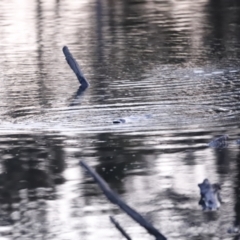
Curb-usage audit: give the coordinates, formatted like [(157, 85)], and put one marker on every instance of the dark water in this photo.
[(176, 62)]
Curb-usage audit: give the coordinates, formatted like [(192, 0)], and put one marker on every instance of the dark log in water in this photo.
[(75, 67), (115, 199), (121, 230)]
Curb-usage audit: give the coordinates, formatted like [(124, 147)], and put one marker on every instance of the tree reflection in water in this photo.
[(31, 168)]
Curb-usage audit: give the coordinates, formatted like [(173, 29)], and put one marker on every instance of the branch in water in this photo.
[(117, 225), (78, 96), (115, 199), (75, 67)]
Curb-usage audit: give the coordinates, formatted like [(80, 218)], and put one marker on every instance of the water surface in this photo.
[(170, 68)]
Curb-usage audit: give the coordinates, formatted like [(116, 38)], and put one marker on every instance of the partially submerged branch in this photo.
[(117, 225), (75, 67), (78, 96), (115, 199)]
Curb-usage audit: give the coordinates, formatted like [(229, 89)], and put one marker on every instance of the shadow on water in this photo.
[(222, 36), (236, 222), (117, 160), (40, 58), (31, 167)]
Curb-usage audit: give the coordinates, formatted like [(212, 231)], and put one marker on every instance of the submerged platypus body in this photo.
[(210, 195), (223, 142), (132, 119), (219, 142)]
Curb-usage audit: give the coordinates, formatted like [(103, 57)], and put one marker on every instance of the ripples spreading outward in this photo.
[(170, 99), (168, 69)]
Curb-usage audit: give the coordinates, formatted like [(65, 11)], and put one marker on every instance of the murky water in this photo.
[(170, 68)]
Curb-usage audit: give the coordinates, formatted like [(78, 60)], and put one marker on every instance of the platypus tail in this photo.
[(75, 67)]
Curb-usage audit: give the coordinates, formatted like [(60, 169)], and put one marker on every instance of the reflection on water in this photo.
[(176, 61)]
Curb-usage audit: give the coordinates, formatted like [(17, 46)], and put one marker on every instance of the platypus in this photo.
[(219, 142), (210, 195)]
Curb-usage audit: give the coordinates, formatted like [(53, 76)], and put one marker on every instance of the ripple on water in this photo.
[(176, 61)]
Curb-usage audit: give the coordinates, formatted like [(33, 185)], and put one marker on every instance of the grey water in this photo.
[(176, 62)]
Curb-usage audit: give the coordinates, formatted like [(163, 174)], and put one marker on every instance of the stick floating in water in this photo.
[(115, 199), (121, 230), (75, 67)]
